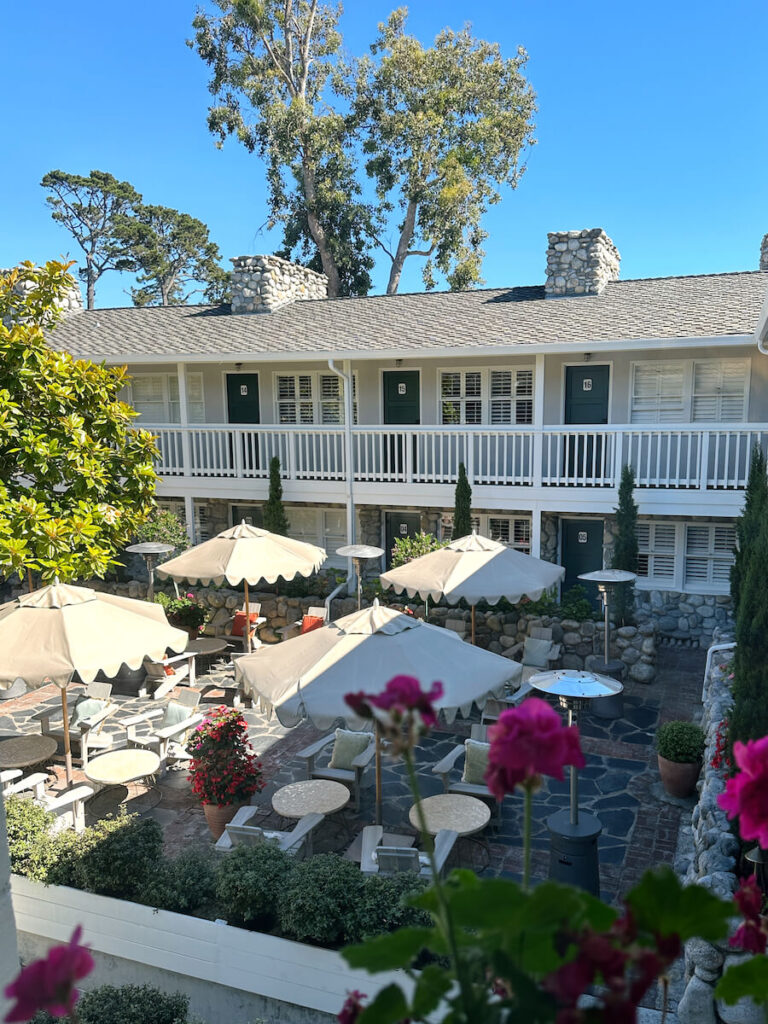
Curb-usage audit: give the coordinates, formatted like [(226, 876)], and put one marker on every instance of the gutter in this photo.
[(346, 376)]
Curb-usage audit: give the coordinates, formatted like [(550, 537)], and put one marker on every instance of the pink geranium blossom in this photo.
[(352, 1008), (751, 935), (401, 697), (529, 741), (746, 794), (49, 984)]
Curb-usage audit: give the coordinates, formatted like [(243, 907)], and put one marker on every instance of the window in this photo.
[(155, 396), (486, 396), (326, 527), (695, 391), (312, 398), (656, 551), (708, 555), (514, 532)]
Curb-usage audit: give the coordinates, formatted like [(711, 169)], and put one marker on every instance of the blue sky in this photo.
[(652, 123)]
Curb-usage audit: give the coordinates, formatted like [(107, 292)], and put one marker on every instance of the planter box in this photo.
[(251, 962)]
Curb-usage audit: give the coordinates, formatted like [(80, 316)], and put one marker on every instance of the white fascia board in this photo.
[(761, 332), (452, 352)]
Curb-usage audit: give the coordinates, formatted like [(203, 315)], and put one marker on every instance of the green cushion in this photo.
[(85, 708), (347, 746), (535, 652), (175, 714), (475, 762)]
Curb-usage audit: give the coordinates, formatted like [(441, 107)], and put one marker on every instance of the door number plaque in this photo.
[(401, 389), (586, 384), (244, 390), (582, 536)]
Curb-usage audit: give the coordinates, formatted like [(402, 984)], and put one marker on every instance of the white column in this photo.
[(538, 422), (189, 516), (186, 447), (9, 953), (536, 531)]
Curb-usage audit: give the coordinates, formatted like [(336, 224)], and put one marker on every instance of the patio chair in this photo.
[(538, 652), (297, 842), (162, 676), (494, 708), (305, 624), (351, 755), (68, 807), (86, 721), (234, 629), (168, 737), (391, 860), (471, 783)]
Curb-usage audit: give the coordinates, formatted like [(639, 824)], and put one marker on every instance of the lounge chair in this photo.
[(351, 755), (234, 630), (538, 652), (471, 783), (162, 676), (85, 722), (297, 842), (305, 624), (390, 860), (68, 807), (176, 721)]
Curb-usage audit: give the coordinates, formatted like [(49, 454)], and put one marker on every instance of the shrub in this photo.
[(682, 742), (182, 884), (113, 857), (249, 881), (462, 513), (407, 548), (320, 901), (132, 1004), (182, 611), (30, 846), (164, 527), (384, 906), (273, 511)]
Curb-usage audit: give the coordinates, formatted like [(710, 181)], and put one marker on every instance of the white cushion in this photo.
[(536, 652), (347, 747), (475, 762)]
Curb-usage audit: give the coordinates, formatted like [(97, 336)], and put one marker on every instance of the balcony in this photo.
[(700, 457)]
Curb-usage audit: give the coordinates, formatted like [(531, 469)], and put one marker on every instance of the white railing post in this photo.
[(292, 468), (703, 459), (238, 441), (470, 453), (186, 448), (618, 455), (537, 460), (538, 421)]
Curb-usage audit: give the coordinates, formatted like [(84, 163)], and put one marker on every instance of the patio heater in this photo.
[(359, 553), (151, 551), (607, 580), (573, 854)]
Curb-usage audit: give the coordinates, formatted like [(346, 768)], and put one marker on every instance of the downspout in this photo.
[(346, 376)]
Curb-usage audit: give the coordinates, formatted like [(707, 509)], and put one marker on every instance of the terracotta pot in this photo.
[(679, 779), (218, 815)]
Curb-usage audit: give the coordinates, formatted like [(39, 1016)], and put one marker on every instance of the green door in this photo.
[(582, 551), (243, 407), (399, 524), (401, 398), (586, 402)]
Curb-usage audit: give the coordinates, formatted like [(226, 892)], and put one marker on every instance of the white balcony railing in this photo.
[(704, 457)]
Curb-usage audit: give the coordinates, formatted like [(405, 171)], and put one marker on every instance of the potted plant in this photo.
[(183, 612), (224, 770), (680, 748)]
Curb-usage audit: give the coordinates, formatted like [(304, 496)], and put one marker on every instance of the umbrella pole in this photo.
[(247, 626), (378, 773), (67, 746), (473, 625)]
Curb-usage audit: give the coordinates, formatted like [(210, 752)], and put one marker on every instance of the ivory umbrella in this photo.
[(60, 631), (307, 677), (474, 568), (244, 554)]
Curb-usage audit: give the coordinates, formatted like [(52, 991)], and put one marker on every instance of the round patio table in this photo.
[(204, 646), (300, 798), (462, 814), (25, 751), (116, 771)]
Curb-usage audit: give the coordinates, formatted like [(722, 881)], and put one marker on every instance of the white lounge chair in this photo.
[(162, 676), (347, 770), (390, 860), (85, 722), (471, 782), (68, 806), (174, 722), (538, 652), (294, 628), (297, 842)]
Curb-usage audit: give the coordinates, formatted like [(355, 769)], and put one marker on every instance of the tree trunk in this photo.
[(319, 236), (402, 248), (90, 297)]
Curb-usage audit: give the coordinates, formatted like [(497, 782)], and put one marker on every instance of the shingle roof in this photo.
[(655, 308)]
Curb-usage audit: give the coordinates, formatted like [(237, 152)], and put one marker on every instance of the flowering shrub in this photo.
[(505, 952), (746, 793), (49, 983), (182, 611), (224, 769), (721, 758)]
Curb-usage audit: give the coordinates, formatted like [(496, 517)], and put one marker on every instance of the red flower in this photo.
[(402, 697), (352, 1008), (746, 794), (529, 741), (49, 984), (751, 935)]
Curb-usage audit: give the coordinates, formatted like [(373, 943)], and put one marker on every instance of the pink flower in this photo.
[(352, 1008), (402, 696), (746, 794), (529, 741), (750, 936), (48, 984)]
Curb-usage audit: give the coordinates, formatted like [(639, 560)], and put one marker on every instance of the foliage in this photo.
[(439, 131), (76, 480), (29, 844), (113, 857), (407, 548), (88, 207), (182, 884), (682, 742), (169, 250), (318, 585), (132, 1004), (574, 605), (749, 523), (182, 611), (224, 769), (625, 549), (163, 527), (319, 901), (462, 513), (249, 880), (273, 512), (385, 905)]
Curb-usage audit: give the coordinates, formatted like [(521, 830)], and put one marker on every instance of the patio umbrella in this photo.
[(244, 554), (474, 568), (308, 676), (53, 633)]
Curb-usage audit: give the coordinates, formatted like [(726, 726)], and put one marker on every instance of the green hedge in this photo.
[(128, 1004)]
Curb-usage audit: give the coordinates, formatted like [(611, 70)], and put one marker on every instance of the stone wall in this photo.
[(261, 284), (684, 619), (580, 262), (764, 253), (70, 302)]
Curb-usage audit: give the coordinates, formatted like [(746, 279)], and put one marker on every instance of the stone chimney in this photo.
[(70, 302), (764, 253), (262, 284), (580, 263)]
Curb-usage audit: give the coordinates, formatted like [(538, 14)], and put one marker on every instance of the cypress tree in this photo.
[(274, 514), (749, 523), (462, 518), (749, 715), (625, 549)]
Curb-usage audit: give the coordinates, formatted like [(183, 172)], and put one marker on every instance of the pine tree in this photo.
[(625, 549), (749, 523), (749, 715), (274, 514), (462, 518)]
